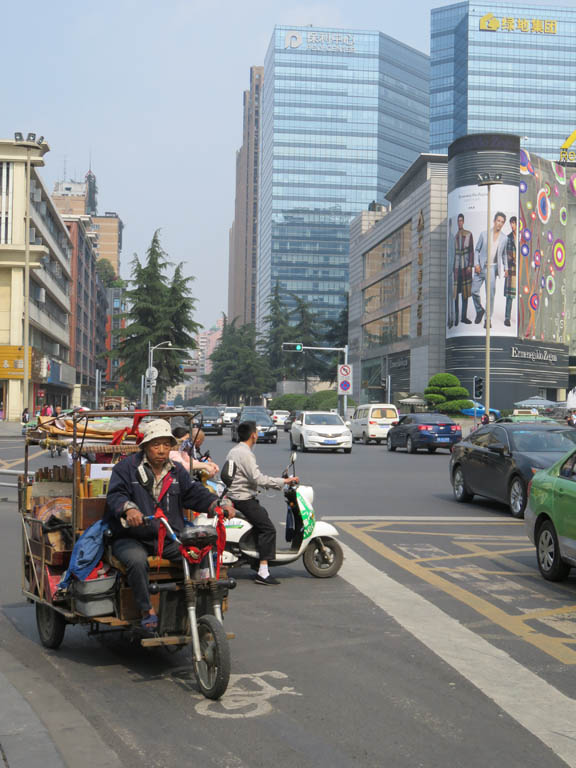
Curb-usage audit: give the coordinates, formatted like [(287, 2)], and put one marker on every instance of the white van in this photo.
[(372, 422)]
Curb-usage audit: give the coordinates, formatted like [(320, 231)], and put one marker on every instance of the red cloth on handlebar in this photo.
[(119, 436), (166, 483)]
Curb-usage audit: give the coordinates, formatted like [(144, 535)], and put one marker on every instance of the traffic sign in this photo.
[(344, 379), (152, 373)]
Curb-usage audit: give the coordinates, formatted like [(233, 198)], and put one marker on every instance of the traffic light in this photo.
[(293, 347), (478, 387)]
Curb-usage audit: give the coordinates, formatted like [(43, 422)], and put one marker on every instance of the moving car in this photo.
[(498, 461), (291, 419), (480, 411), (550, 518), (320, 430), (210, 419), (424, 430), (267, 430), (372, 422), (279, 417), (230, 413)]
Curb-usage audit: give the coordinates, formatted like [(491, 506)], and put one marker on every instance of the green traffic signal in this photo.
[(298, 347), (293, 346)]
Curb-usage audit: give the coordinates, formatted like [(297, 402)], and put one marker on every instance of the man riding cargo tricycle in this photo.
[(111, 543)]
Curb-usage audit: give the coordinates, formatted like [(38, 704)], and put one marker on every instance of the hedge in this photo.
[(455, 393), (444, 380)]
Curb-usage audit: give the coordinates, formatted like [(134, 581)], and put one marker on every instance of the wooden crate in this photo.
[(89, 511), (44, 551)]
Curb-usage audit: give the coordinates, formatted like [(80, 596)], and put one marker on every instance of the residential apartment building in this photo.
[(344, 114), (243, 250), (114, 321), (503, 68), (51, 377)]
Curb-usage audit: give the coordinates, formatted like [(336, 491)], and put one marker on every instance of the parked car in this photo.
[(372, 422), (424, 430), (550, 518), (210, 419), (480, 409), (320, 430), (279, 417), (230, 413), (515, 418), (267, 430), (290, 420), (498, 461)]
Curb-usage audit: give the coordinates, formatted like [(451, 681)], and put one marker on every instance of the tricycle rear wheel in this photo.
[(51, 626), (213, 671)]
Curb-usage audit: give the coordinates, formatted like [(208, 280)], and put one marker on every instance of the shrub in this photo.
[(288, 403), (453, 393), (434, 399), (443, 380), (433, 391), (455, 406)]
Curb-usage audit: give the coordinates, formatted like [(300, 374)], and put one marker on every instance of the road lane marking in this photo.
[(15, 462), (495, 673), (557, 647), (468, 555), (248, 695)]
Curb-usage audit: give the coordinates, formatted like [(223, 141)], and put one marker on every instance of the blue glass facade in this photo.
[(344, 114), (503, 68)]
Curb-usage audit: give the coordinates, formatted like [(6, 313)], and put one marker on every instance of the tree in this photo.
[(279, 331), (239, 371), (307, 330), (105, 272), (445, 393), (159, 310)]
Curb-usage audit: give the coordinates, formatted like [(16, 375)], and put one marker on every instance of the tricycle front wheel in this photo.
[(51, 626), (213, 671)]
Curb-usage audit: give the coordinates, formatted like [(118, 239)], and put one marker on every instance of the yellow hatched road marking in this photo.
[(485, 553), (557, 647), (15, 462)]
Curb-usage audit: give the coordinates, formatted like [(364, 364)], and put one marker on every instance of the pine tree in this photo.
[(307, 331), (158, 310), (279, 332)]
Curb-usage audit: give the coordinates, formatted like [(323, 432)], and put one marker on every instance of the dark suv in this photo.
[(210, 419)]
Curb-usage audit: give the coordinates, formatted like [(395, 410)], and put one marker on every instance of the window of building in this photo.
[(391, 288), (391, 250), (387, 330)]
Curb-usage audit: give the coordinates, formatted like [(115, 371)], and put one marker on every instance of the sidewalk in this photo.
[(24, 740), (10, 429)]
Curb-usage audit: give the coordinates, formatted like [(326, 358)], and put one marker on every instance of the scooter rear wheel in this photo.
[(320, 563), (213, 671)]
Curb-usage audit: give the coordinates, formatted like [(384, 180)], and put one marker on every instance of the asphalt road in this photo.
[(438, 645)]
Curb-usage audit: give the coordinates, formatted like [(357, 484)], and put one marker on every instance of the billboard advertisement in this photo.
[(468, 240), (545, 197)]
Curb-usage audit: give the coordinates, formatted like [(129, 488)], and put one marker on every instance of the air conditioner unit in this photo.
[(42, 295)]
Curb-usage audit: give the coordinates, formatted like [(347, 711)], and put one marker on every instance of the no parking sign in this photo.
[(345, 379)]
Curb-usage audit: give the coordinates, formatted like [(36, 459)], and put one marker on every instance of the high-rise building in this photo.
[(51, 377), (109, 228), (503, 68), (243, 252), (344, 113)]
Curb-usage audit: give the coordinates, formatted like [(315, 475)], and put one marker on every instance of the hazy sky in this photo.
[(153, 90)]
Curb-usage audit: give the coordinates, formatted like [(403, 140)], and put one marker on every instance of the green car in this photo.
[(550, 518)]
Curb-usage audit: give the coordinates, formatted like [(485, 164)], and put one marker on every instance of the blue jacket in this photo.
[(184, 493), (86, 554)]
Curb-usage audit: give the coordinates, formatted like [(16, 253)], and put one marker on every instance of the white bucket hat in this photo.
[(157, 428)]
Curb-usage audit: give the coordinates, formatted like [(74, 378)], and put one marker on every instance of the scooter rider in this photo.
[(138, 486), (243, 490)]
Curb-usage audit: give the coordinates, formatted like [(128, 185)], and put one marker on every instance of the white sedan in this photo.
[(320, 430)]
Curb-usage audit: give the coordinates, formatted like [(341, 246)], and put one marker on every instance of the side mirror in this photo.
[(298, 423), (293, 457), (228, 472), (501, 450), (348, 423)]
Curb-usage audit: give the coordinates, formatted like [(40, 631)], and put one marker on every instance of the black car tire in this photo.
[(274, 440), (431, 449), (220, 431), (517, 497), (347, 450), (389, 445), (365, 440), (550, 564), (410, 447), (461, 492), (302, 446)]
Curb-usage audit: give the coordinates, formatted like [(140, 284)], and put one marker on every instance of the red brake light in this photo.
[(456, 428), (424, 427), (394, 423), (372, 422)]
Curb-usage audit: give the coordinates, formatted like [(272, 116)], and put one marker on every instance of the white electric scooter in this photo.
[(307, 537)]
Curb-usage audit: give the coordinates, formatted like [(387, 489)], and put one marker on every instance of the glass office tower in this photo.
[(344, 114), (503, 68)]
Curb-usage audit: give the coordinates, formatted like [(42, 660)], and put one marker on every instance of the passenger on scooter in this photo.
[(187, 453), (139, 485), (243, 492)]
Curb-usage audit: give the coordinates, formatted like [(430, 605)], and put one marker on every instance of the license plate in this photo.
[(330, 442), (260, 434), (443, 439), (207, 423)]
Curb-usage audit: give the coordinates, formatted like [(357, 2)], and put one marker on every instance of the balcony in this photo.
[(48, 323)]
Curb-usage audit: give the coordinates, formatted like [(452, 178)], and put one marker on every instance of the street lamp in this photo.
[(30, 143), (488, 180), (167, 344)]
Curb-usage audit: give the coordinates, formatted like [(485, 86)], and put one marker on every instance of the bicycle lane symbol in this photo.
[(247, 696)]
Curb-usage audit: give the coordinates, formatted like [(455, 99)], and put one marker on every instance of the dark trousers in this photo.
[(256, 514), (134, 554)]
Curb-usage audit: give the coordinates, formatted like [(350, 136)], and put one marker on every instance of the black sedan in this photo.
[(267, 430), (498, 461), (290, 420), (423, 430)]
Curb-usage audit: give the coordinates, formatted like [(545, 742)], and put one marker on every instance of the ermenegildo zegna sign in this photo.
[(534, 355)]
